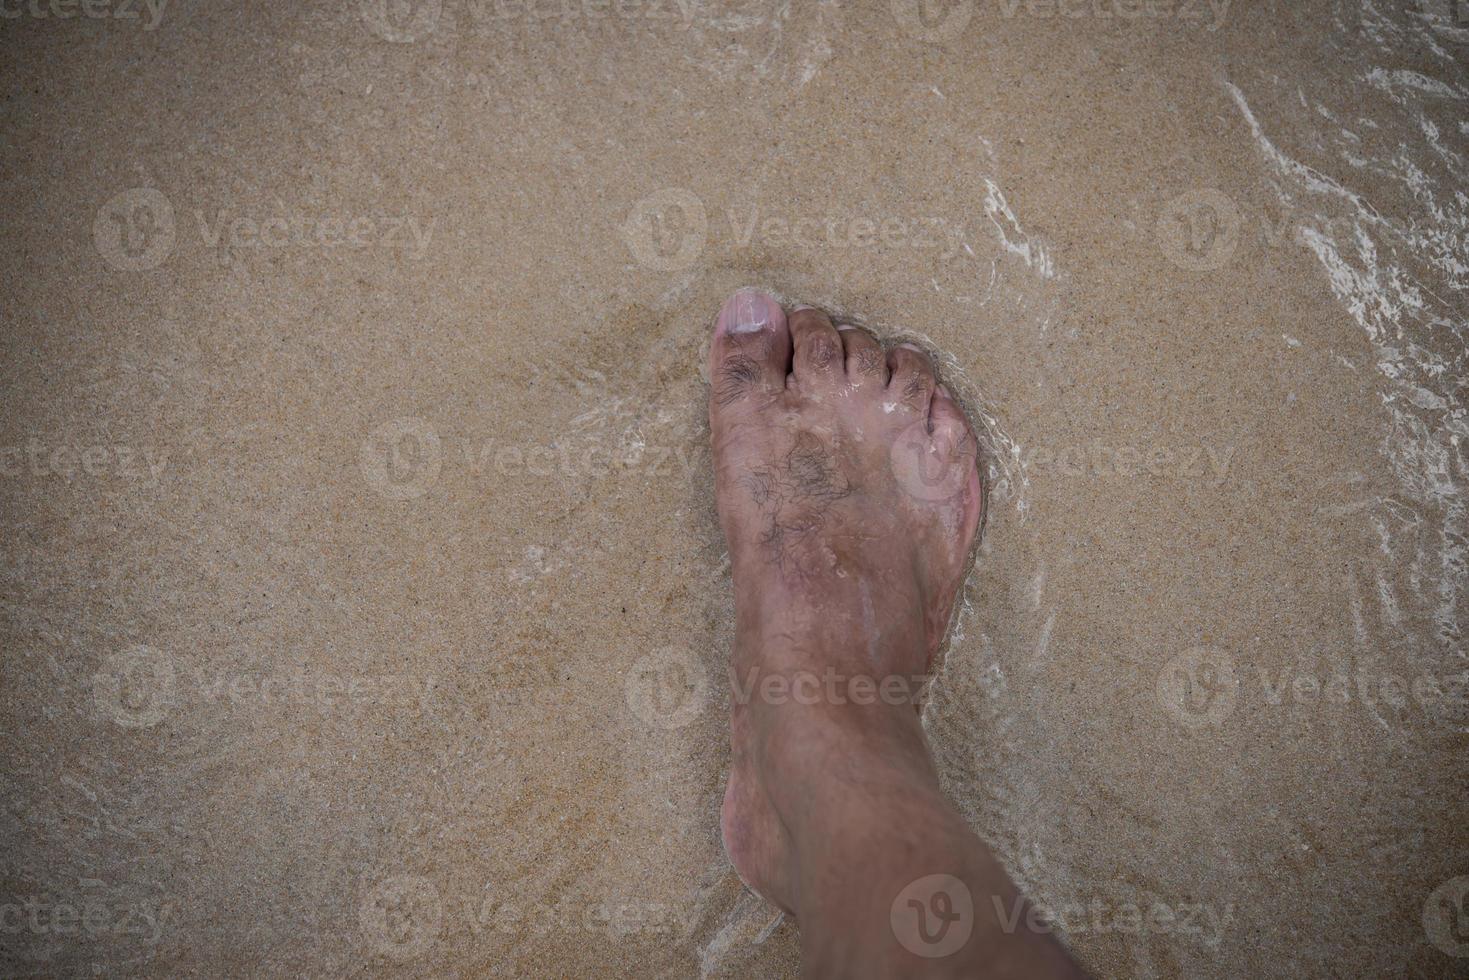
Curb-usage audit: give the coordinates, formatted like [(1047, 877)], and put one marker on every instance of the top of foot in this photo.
[(848, 487), (847, 478)]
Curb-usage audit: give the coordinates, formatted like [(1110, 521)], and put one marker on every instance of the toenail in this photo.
[(801, 306), (751, 312)]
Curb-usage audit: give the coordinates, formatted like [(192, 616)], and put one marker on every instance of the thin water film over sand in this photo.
[(365, 610)]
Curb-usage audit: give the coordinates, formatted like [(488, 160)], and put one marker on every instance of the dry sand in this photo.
[(357, 498)]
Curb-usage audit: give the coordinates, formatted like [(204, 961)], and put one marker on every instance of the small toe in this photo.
[(818, 348), (865, 363), (944, 411), (751, 350), (912, 378), (954, 437)]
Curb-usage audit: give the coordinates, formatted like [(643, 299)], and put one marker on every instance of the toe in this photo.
[(954, 437), (936, 461), (865, 363), (751, 350), (912, 377), (818, 347), (945, 414)]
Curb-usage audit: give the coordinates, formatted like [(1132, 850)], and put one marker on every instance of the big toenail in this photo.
[(752, 313)]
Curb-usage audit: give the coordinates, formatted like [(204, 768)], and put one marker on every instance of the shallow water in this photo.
[(364, 607)]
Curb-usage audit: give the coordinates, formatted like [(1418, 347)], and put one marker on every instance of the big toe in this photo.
[(751, 350)]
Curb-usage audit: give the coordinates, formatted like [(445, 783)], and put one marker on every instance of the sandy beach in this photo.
[(364, 608)]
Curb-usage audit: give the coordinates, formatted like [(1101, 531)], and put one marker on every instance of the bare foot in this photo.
[(848, 488)]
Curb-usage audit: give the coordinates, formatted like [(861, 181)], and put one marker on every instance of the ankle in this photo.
[(822, 762)]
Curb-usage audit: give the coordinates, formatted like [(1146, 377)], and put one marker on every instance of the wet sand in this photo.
[(364, 608)]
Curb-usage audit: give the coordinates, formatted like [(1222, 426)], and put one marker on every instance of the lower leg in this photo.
[(887, 879)]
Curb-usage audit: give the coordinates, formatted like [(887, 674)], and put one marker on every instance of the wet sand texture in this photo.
[(364, 611)]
